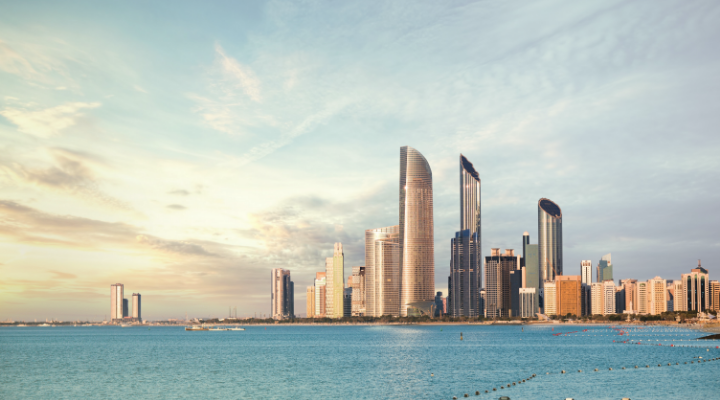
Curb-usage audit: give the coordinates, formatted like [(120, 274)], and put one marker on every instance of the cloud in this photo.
[(179, 192), (74, 172), (13, 63), (62, 275), (47, 122), (139, 89), (176, 207), (173, 246), (241, 76)]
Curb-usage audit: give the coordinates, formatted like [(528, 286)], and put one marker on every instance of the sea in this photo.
[(359, 362)]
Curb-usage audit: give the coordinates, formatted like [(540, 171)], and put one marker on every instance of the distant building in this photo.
[(657, 296), (550, 299), (550, 239), (605, 269), (281, 295), (696, 289), (382, 271), (416, 239), (531, 263), (586, 299), (630, 287), (497, 282), (643, 295), (483, 296), (678, 295), (444, 305), (320, 294), (619, 299), (670, 289), (528, 308), (136, 309), (335, 274), (463, 279), (117, 294), (714, 295), (569, 295), (586, 272), (347, 302), (609, 295), (310, 301), (126, 309), (597, 301), (359, 284), (516, 283), (439, 304)]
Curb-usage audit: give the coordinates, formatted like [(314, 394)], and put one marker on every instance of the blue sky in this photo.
[(185, 149)]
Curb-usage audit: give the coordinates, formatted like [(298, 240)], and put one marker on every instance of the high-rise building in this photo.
[(605, 269), (586, 299), (281, 295), (483, 296), (550, 240), (531, 262), (619, 299), (311, 301), (347, 302), (569, 295), (516, 283), (586, 272), (657, 296), (609, 295), (678, 295), (320, 294), (528, 308), (136, 308), (382, 271), (335, 273), (696, 289), (117, 294), (470, 215), (463, 289), (497, 282), (643, 294), (359, 285), (550, 300), (126, 309), (597, 302), (630, 286), (439, 304), (714, 295), (417, 254)]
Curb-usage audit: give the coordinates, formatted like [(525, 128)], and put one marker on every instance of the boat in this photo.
[(218, 329), (236, 329), (196, 328), (125, 325)]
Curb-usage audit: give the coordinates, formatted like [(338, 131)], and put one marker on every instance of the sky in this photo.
[(186, 149)]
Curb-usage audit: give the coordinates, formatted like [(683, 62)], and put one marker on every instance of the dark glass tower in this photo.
[(549, 240)]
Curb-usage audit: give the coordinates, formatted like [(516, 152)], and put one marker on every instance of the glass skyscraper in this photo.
[(605, 269), (417, 248), (382, 271), (550, 240)]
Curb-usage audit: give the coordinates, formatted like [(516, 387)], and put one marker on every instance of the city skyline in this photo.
[(192, 168)]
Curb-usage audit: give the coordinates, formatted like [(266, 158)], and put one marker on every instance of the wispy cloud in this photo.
[(178, 207), (49, 121), (238, 75), (13, 63)]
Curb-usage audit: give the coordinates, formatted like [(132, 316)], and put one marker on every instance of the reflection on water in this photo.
[(400, 362)]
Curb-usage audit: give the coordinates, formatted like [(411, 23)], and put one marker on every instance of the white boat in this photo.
[(216, 329), (236, 329), (125, 325)]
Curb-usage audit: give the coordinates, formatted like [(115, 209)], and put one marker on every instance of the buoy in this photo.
[(494, 389), (477, 392), (636, 367), (466, 395), (432, 374), (562, 372), (454, 397), (596, 369), (610, 369), (623, 368), (579, 370)]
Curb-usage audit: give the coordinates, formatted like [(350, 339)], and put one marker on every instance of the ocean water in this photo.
[(355, 362)]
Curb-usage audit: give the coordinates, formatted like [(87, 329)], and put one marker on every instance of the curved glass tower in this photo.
[(470, 210), (549, 240), (417, 251)]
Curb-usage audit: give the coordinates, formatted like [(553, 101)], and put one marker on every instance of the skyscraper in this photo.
[(117, 294), (630, 286), (586, 272), (497, 282), (696, 289), (320, 294), (550, 239), (382, 271), (282, 302), (550, 300), (347, 302), (335, 271), (359, 293), (715, 295), (528, 308), (417, 254), (465, 263), (605, 269), (597, 301), (657, 296), (310, 301), (609, 297), (516, 283), (531, 261), (136, 308), (126, 309), (569, 294)]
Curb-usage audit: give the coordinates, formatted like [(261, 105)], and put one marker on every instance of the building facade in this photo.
[(715, 296), (550, 240), (497, 282), (531, 263), (335, 272), (347, 302), (417, 247), (609, 297), (382, 271), (117, 295), (696, 289), (359, 284), (516, 283), (320, 294), (630, 286), (550, 298), (126, 308), (528, 307), (462, 286), (310, 301), (586, 272), (137, 307), (569, 295), (281, 295), (585, 299), (605, 268), (470, 215), (657, 296), (597, 302)]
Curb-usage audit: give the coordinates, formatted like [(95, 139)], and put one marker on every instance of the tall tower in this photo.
[(605, 268), (382, 271), (137, 306), (282, 296), (550, 240), (417, 254), (586, 272), (470, 218), (338, 278), (117, 294)]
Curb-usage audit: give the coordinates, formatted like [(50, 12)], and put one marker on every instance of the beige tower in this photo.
[(417, 247), (117, 295), (335, 284)]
